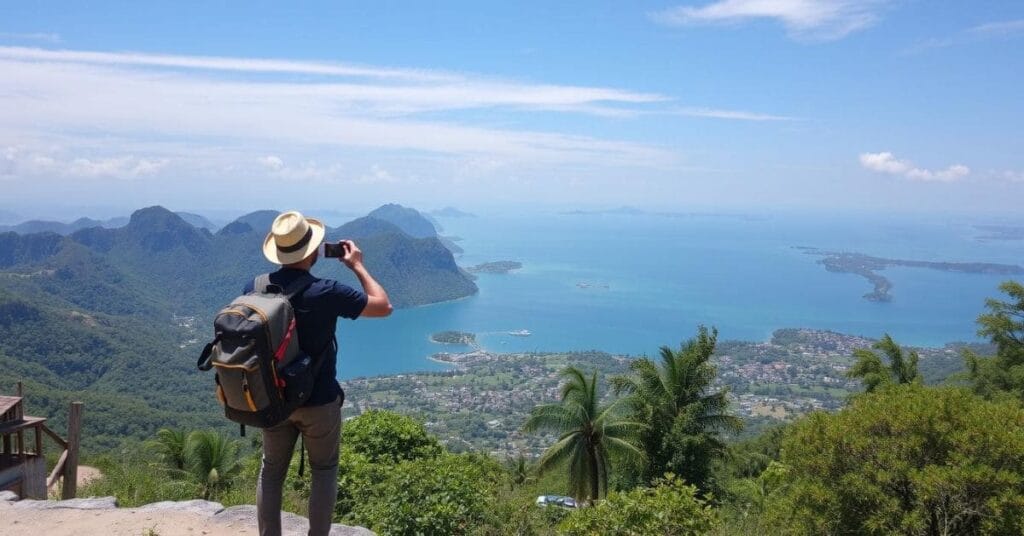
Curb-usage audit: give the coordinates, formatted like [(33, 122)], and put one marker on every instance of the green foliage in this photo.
[(446, 494), (589, 435), (212, 460), (869, 367), (1002, 374), (907, 460), (669, 508), (683, 415), (387, 437)]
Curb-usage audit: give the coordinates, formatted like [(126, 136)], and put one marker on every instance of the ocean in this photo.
[(628, 284)]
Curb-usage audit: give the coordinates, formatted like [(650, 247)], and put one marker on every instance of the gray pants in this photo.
[(320, 427)]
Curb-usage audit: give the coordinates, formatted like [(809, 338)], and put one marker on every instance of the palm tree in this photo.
[(683, 415), (170, 447), (590, 435), (211, 459), (870, 369)]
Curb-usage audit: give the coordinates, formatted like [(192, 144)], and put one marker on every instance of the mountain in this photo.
[(392, 255), (115, 317), (407, 219), (195, 220)]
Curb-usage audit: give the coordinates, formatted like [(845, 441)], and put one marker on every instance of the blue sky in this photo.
[(730, 104)]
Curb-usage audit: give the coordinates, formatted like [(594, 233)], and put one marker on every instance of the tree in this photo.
[(1004, 326), (211, 459), (670, 507), (386, 436), (170, 445), (870, 369), (683, 415), (913, 460), (589, 435)]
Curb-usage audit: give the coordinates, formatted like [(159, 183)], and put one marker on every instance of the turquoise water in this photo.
[(653, 279)]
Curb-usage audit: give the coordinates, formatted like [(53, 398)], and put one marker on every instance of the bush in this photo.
[(387, 437), (669, 508), (446, 494), (907, 460)]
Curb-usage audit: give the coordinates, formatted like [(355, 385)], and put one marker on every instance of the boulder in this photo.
[(197, 506), (92, 503)]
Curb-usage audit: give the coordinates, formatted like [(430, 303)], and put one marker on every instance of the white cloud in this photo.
[(886, 162), (272, 162), (983, 32), (730, 114), (998, 29), (377, 175), (822, 20), (20, 162)]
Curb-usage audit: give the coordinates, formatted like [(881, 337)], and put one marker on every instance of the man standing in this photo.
[(294, 242)]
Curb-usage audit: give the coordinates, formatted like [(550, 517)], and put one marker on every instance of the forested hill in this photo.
[(114, 316)]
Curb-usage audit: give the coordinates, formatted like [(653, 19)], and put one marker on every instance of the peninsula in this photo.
[(867, 267)]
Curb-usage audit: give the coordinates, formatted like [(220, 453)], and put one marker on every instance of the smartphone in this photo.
[(334, 250)]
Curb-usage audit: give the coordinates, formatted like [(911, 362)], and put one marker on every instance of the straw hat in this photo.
[(292, 237)]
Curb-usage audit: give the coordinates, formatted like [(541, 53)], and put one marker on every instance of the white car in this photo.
[(556, 500)]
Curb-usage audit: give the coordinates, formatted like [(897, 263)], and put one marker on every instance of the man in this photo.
[(294, 243)]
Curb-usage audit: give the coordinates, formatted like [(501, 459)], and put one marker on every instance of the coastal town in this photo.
[(482, 401)]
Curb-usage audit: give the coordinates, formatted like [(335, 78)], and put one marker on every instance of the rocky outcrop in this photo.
[(212, 518)]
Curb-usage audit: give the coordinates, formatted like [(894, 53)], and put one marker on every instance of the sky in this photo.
[(833, 105)]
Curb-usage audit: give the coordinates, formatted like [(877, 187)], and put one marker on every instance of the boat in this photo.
[(520, 333)]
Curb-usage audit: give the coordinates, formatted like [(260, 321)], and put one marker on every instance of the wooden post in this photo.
[(20, 392), (71, 464)]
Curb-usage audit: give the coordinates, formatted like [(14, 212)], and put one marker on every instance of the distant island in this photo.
[(453, 337), (497, 267), (1000, 232), (867, 267)]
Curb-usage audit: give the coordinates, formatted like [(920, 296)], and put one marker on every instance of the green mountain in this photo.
[(115, 317), (407, 219)]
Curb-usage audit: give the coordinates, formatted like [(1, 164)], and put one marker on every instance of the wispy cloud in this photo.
[(35, 36), (982, 32), (738, 115), (813, 20), (886, 162), (102, 102), (16, 161)]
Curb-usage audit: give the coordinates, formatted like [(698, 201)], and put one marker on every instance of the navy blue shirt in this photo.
[(316, 314)]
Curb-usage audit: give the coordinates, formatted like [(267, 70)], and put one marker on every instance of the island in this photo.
[(453, 337), (498, 267), (866, 266)]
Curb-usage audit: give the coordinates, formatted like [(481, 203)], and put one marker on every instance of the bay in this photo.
[(627, 284)]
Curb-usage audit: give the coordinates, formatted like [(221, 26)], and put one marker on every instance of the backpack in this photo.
[(262, 375)]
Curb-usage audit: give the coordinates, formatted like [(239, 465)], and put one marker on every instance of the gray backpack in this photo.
[(262, 375)]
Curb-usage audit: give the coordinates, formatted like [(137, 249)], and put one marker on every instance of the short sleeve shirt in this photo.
[(317, 310)]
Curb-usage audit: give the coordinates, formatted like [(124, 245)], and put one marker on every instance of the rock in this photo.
[(8, 496), (92, 503), (197, 506), (241, 517)]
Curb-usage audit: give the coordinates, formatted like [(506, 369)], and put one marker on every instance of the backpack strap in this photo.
[(263, 285)]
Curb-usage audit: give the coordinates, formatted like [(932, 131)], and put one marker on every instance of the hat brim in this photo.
[(275, 256)]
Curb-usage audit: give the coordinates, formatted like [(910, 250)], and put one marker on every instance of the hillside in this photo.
[(114, 317)]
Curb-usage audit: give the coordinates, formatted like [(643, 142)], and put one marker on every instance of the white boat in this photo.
[(520, 333)]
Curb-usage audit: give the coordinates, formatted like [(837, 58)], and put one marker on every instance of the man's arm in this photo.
[(377, 302)]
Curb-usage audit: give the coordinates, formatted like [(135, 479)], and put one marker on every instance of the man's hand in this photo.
[(353, 255), (377, 302)]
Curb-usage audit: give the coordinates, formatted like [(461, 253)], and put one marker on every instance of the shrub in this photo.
[(669, 508)]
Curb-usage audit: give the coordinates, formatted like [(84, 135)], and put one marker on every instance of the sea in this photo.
[(630, 283)]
